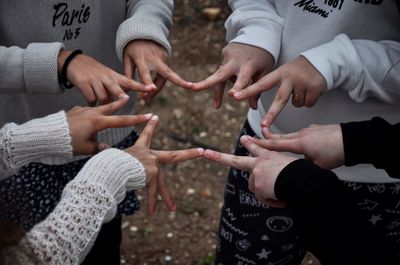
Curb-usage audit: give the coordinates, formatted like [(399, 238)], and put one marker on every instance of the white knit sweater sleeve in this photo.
[(148, 20), (90, 200), (364, 68), (28, 142), (31, 70), (255, 23)]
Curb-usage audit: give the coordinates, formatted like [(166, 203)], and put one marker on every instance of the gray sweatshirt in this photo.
[(355, 45), (32, 32)]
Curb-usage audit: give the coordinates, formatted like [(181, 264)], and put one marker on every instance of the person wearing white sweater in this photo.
[(88, 201), (352, 50), (36, 39)]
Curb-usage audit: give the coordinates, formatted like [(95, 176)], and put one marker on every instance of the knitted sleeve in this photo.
[(31, 70), (148, 20), (28, 142), (89, 201)]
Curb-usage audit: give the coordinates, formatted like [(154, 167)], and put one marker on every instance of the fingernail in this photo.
[(237, 94), (123, 96), (200, 151), (265, 123), (264, 130), (151, 87), (155, 118), (148, 115)]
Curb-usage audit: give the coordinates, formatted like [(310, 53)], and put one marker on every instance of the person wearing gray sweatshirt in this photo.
[(36, 38)]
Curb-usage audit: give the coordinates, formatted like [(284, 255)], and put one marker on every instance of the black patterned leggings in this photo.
[(251, 233)]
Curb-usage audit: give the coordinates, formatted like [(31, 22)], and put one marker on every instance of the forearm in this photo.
[(364, 68), (31, 70), (255, 23), (28, 142), (148, 20), (370, 142)]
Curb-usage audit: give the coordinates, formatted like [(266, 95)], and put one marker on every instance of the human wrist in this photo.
[(61, 59)]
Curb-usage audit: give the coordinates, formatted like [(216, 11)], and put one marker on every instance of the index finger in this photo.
[(147, 134), (264, 84), (281, 98), (169, 157), (220, 76), (240, 162), (165, 71), (114, 106)]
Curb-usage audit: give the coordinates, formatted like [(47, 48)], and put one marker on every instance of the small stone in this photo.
[(190, 191), (203, 135), (125, 225), (207, 193), (133, 229), (211, 13), (170, 235), (167, 258)]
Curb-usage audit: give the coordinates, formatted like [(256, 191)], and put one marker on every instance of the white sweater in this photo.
[(68, 233), (32, 32), (353, 44)]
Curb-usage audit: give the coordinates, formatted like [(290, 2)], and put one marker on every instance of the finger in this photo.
[(298, 99), (310, 99), (147, 134), (269, 135), (251, 183), (105, 122), (219, 94), (170, 75), (159, 82), (239, 162), (266, 83), (112, 107), (220, 76), (151, 196), (133, 85), (169, 157), (243, 80), (144, 73), (164, 192), (103, 146), (101, 93), (252, 147), (286, 145), (279, 102), (114, 88), (89, 95), (129, 67)]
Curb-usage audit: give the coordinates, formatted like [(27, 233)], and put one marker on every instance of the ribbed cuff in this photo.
[(335, 60), (38, 138), (141, 28), (40, 68), (116, 170)]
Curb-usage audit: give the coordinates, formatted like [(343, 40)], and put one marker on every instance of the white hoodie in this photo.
[(353, 44)]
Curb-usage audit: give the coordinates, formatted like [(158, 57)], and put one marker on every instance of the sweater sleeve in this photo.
[(363, 68), (148, 20), (370, 142), (28, 142), (255, 23), (31, 70), (68, 233)]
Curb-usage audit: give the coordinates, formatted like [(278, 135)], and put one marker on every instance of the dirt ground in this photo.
[(188, 237)]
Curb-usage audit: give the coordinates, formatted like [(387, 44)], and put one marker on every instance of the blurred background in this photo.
[(188, 119)]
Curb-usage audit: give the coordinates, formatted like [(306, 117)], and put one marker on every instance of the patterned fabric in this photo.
[(30, 195), (251, 233)]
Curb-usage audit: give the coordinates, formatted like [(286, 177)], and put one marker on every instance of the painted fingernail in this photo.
[(200, 150), (237, 94), (265, 123), (148, 115), (155, 118)]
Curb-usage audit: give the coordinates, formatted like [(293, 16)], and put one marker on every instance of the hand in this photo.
[(265, 167), (322, 144), (242, 64), (151, 160), (149, 56), (85, 122), (298, 77), (96, 81)]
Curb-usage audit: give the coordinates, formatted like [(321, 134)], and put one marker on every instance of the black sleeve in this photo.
[(326, 216), (372, 142)]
